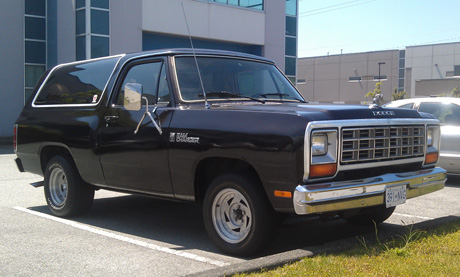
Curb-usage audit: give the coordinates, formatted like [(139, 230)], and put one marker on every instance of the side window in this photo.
[(152, 77), (440, 110), (76, 84), (163, 89), (407, 106)]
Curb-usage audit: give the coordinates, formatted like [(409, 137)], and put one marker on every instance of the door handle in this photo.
[(110, 118)]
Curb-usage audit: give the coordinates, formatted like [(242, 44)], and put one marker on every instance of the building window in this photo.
[(251, 4), (34, 43), (92, 29), (291, 40), (402, 65), (301, 81), (457, 71), (291, 7), (354, 79), (291, 46), (290, 66), (381, 78), (291, 26)]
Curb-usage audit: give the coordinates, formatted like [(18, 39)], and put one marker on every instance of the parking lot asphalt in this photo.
[(124, 234)]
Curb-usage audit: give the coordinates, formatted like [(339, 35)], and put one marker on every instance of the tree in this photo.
[(376, 91), (396, 95), (455, 92)]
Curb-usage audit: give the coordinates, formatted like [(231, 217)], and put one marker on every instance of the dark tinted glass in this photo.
[(81, 48), (291, 26), (402, 63), (35, 52), (457, 70), (80, 3), (35, 7), (32, 74), (77, 84), (99, 22), (146, 74), (290, 64), (99, 46), (104, 4), (402, 54), (445, 112), (239, 77), (80, 26), (407, 106), (291, 46), (35, 28)]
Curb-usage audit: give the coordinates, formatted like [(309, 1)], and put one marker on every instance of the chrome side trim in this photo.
[(338, 196), (74, 63)]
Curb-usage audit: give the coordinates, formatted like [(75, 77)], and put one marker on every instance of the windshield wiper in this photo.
[(281, 95), (230, 94)]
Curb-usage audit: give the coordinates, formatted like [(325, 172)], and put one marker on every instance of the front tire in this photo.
[(237, 215), (65, 192)]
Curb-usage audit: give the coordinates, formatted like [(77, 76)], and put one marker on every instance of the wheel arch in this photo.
[(49, 151), (210, 168)]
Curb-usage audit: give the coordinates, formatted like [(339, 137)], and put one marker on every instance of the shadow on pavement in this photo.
[(6, 149), (181, 224)]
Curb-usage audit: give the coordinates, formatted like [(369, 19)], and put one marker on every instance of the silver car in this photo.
[(447, 110)]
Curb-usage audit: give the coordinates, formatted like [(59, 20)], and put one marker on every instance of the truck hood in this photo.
[(314, 112)]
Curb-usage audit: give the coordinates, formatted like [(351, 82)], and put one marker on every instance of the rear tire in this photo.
[(65, 192), (369, 216), (238, 216)]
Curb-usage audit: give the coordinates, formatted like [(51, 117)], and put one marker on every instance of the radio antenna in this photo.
[(206, 104)]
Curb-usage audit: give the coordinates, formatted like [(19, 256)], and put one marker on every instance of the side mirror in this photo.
[(133, 97)]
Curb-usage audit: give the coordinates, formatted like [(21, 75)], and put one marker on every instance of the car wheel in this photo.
[(237, 215), (65, 192), (369, 216)]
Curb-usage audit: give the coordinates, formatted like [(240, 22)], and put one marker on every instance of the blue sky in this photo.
[(355, 26)]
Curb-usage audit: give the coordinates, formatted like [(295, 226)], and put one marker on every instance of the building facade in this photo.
[(347, 78), (419, 70), (432, 69), (39, 34)]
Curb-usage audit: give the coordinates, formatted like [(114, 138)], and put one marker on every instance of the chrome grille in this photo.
[(381, 143)]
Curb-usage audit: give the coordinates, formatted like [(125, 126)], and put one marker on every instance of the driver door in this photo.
[(138, 162)]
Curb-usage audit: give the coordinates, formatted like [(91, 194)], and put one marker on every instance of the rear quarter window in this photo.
[(74, 84)]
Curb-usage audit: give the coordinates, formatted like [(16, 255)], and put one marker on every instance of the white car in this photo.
[(447, 110)]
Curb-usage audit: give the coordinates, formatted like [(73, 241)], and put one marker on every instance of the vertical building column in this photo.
[(275, 26)]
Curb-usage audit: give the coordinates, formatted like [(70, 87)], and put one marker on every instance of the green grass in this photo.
[(414, 253)]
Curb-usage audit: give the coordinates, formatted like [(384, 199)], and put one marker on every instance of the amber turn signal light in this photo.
[(322, 170), (283, 194), (431, 158)]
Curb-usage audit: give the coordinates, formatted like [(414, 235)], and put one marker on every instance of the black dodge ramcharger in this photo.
[(226, 130)]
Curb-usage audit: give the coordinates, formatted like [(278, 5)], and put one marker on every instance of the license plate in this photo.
[(395, 195)]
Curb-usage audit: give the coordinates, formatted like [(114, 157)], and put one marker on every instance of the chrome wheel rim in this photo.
[(58, 187), (231, 216)]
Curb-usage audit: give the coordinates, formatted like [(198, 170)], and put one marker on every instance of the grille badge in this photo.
[(382, 113)]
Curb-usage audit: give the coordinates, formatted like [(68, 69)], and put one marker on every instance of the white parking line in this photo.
[(416, 216), (124, 239)]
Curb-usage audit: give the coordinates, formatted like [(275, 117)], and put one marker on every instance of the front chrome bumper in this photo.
[(339, 196)]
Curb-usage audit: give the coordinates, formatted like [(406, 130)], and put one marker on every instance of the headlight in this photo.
[(319, 144), (433, 139), (429, 136), (320, 153)]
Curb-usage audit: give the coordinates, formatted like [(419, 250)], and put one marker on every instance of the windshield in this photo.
[(226, 78)]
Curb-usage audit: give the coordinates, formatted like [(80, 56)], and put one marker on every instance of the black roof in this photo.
[(189, 51)]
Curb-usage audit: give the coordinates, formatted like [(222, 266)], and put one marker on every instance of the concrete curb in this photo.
[(258, 264), (277, 260)]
